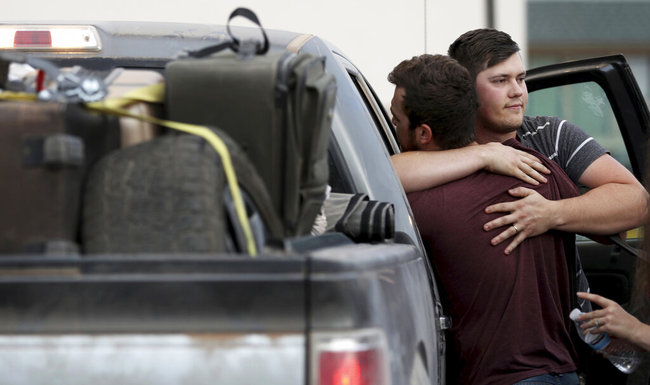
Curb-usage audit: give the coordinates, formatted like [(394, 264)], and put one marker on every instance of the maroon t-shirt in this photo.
[(510, 313)]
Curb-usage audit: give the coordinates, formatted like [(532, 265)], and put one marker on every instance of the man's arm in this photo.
[(616, 202), (420, 170)]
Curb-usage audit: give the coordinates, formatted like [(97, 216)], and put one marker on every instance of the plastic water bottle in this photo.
[(621, 354)]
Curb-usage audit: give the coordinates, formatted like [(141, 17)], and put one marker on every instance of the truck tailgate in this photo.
[(134, 359), (160, 319)]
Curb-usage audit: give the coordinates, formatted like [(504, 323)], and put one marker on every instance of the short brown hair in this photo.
[(439, 92), (482, 48)]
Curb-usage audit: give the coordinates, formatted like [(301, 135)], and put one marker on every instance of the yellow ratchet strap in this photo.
[(18, 96), (155, 94)]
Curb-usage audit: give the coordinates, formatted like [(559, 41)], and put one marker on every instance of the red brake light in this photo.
[(350, 368), (352, 357), (26, 39), (43, 37)]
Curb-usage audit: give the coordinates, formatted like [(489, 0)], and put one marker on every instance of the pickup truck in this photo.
[(330, 311), (318, 310)]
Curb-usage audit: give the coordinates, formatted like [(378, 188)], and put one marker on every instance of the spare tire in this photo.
[(167, 195)]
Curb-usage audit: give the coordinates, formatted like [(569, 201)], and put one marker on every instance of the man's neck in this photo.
[(486, 136)]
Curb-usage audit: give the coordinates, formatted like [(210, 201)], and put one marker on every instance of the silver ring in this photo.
[(516, 229), (597, 324)]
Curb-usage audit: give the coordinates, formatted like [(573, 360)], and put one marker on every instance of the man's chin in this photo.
[(508, 128), (504, 126), (513, 124)]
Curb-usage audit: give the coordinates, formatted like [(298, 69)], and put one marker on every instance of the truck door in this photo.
[(601, 96)]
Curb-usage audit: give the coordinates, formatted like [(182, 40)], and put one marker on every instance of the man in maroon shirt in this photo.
[(510, 312)]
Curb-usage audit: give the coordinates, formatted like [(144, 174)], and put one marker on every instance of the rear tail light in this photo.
[(25, 39), (357, 357), (49, 38)]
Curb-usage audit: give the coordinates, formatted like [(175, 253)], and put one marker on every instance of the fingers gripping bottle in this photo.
[(621, 354)]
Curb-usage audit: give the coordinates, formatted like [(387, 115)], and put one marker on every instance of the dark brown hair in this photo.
[(482, 48), (439, 92)]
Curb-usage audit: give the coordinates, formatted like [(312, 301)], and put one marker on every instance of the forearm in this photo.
[(608, 209), (420, 170), (641, 336)]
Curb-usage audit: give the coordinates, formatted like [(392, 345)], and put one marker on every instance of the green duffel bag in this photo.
[(277, 106)]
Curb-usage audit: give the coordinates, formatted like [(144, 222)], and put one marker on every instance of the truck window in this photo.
[(586, 105), (378, 113)]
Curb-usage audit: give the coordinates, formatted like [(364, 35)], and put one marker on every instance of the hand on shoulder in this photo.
[(506, 160)]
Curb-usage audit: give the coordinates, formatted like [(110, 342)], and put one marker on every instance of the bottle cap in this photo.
[(574, 314)]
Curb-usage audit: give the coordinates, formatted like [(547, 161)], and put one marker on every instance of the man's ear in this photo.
[(423, 135)]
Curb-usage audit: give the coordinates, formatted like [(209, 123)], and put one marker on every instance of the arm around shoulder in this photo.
[(420, 170)]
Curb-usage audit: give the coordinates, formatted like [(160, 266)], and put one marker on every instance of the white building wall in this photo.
[(374, 34)]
